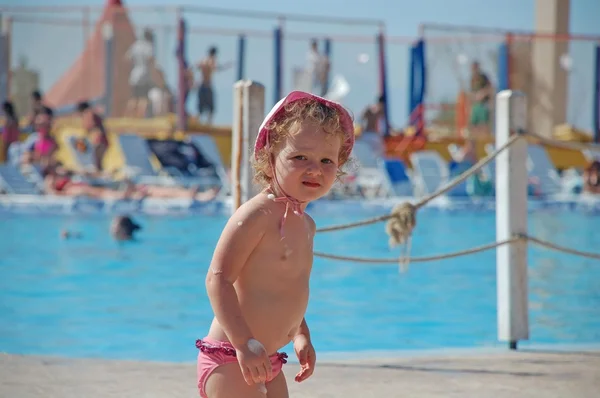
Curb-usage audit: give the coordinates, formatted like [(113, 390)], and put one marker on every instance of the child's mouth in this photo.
[(311, 184)]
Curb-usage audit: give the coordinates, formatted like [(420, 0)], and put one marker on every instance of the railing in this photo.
[(560, 71)]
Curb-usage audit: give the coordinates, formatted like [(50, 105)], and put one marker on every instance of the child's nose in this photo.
[(313, 168)]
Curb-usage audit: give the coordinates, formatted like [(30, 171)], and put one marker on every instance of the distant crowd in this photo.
[(37, 155)]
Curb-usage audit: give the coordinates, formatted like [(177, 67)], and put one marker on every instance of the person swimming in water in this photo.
[(123, 228), (67, 234)]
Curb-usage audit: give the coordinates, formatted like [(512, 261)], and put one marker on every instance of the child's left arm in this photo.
[(302, 343), (304, 351)]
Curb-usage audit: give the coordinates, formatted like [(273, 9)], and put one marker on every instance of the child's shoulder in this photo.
[(311, 223), (259, 210)]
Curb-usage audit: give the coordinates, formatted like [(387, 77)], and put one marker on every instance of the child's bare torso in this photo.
[(273, 287)]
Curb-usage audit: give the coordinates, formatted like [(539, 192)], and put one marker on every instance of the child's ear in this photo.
[(269, 168), (269, 172)]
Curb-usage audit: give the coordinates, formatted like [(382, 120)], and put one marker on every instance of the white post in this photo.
[(248, 114), (511, 218)]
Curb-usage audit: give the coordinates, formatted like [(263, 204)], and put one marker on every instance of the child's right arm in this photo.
[(241, 235)]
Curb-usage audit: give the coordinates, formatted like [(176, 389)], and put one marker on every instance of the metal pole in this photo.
[(241, 57), (108, 35)]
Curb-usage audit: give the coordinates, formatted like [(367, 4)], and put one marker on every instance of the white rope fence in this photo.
[(460, 253), (403, 260), (402, 220)]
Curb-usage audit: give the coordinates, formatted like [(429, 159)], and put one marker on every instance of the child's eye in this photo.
[(327, 161), (300, 157)]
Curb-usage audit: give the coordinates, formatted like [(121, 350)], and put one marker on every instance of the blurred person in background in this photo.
[(123, 228), (372, 116), (62, 182), (481, 96), (206, 96), (591, 178), (317, 67), (141, 54), (94, 127), (10, 130), (371, 120), (43, 148), (59, 181), (37, 106)]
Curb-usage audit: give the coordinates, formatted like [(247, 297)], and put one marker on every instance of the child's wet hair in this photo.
[(308, 110)]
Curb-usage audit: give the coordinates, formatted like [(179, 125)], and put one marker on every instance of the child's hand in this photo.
[(306, 355), (254, 363)]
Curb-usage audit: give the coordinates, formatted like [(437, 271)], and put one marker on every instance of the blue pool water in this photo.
[(145, 300)]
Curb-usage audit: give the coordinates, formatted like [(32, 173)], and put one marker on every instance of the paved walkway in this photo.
[(479, 375)]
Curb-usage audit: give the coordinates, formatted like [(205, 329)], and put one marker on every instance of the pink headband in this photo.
[(262, 139)]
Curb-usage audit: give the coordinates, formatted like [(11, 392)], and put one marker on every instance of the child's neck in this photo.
[(278, 195), (292, 204)]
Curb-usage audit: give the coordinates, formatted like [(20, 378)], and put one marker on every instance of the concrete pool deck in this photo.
[(496, 374)]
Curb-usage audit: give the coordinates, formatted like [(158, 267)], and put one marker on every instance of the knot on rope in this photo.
[(401, 223)]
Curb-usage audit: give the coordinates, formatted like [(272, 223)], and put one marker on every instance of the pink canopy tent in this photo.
[(86, 78)]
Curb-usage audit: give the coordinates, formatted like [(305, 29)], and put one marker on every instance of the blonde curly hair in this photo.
[(309, 110)]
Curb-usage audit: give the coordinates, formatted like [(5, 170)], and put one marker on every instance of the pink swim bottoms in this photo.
[(214, 353)]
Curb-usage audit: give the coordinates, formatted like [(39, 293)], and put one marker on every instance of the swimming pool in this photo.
[(145, 300)]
